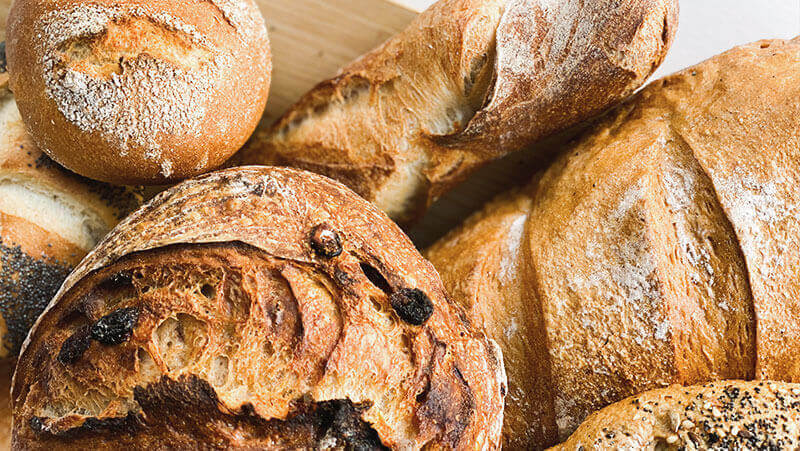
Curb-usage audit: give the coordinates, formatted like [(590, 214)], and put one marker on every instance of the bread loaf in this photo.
[(721, 415), (139, 91), (49, 219), (466, 82), (257, 308), (663, 248)]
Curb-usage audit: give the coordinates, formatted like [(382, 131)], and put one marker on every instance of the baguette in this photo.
[(663, 247), (257, 308), (721, 415), (468, 81)]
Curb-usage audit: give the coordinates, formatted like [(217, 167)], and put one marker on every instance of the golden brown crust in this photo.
[(273, 302), (149, 90), (49, 219), (660, 249), (720, 415), (466, 82)]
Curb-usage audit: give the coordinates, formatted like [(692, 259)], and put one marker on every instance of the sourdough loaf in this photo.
[(715, 416), (663, 247), (466, 82), (257, 308), (139, 91), (49, 219)]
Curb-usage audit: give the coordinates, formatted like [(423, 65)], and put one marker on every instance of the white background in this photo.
[(708, 27)]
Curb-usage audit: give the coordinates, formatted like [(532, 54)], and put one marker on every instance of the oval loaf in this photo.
[(468, 81), (663, 248)]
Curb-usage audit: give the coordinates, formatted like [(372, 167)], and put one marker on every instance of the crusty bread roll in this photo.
[(257, 308), (49, 219), (466, 82), (721, 415), (664, 247), (139, 91)]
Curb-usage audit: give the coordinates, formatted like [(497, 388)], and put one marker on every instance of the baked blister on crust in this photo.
[(467, 82), (257, 307)]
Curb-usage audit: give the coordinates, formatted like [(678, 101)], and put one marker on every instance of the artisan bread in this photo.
[(466, 82), (663, 247), (257, 308), (720, 415), (49, 219), (139, 91)]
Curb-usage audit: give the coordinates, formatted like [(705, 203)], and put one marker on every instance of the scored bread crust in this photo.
[(269, 315), (49, 219), (468, 81), (661, 248), (141, 91), (719, 415)]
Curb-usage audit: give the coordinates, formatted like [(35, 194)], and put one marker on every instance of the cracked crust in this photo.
[(662, 248), (149, 91), (257, 307), (468, 81)]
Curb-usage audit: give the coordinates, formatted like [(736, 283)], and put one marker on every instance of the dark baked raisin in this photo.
[(116, 327), (74, 346), (3, 64), (412, 305), (37, 424), (325, 241)]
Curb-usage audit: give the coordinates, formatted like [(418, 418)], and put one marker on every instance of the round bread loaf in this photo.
[(720, 416), (49, 219), (257, 308), (141, 91)]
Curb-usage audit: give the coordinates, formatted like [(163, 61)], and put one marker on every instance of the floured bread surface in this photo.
[(468, 81), (260, 308), (715, 416), (661, 248), (148, 90)]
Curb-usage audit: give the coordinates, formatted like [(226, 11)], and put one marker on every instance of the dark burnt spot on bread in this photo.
[(26, 286), (412, 305), (74, 346), (116, 327), (325, 241)]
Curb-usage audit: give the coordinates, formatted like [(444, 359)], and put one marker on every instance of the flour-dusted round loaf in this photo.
[(723, 415), (466, 82), (49, 219), (139, 91), (661, 248), (257, 308)]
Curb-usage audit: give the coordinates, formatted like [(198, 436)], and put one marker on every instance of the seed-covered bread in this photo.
[(257, 308), (50, 219), (716, 416), (139, 91)]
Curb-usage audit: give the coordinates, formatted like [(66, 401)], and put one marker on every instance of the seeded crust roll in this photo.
[(50, 219), (139, 91), (663, 247), (467, 82), (257, 308), (715, 416)]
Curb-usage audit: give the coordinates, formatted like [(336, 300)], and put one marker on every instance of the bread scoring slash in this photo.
[(467, 82), (257, 308)]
